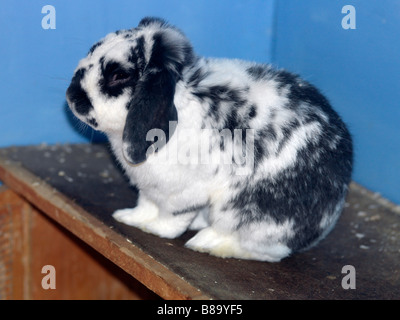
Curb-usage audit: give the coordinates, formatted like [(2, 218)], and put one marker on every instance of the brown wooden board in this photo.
[(29, 240), (89, 183)]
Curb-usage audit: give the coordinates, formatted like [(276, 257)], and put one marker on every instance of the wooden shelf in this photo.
[(70, 191)]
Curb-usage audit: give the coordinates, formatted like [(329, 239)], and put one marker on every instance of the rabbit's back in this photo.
[(302, 150)]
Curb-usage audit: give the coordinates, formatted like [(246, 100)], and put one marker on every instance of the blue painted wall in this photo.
[(358, 69)]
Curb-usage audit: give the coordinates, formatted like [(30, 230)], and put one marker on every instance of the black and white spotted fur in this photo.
[(287, 194)]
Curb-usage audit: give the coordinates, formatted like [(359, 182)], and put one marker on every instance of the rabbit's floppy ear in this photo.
[(151, 108), (152, 105)]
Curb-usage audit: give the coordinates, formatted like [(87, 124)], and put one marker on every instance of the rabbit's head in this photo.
[(125, 86)]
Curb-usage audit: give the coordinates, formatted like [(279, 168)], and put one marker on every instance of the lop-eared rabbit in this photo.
[(254, 158)]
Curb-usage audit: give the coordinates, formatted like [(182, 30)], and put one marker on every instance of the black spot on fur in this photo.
[(233, 122), (259, 151), (266, 134), (118, 32), (77, 95), (93, 122), (158, 58), (258, 72), (220, 93), (197, 76), (169, 55), (287, 132), (146, 21), (286, 78), (137, 57), (253, 112), (190, 209), (308, 93), (301, 91), (96, 45), (213, 112), (215, 95)]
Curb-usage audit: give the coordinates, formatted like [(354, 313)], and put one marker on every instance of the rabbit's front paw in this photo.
[(166, 227), (147, 218), (137, 216)]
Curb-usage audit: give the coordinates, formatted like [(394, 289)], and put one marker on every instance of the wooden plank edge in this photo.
[(154, 275), (375, 196)]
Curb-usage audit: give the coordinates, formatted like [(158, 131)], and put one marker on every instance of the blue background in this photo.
[(357, 69)]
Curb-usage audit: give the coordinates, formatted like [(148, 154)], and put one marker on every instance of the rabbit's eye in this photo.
[(119, 77), (115, 78)]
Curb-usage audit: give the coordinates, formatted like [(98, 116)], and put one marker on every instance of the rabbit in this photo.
[(251, 157)]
